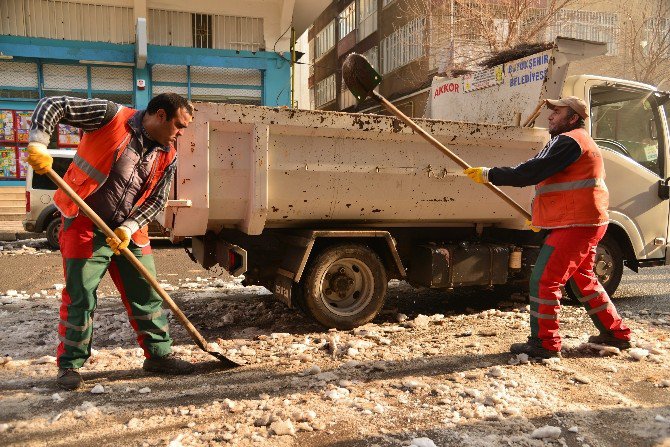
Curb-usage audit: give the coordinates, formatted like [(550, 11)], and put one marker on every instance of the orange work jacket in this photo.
[(576, 196), (96, 153)]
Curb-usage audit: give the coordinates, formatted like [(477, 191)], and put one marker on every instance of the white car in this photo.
[(41, 213)]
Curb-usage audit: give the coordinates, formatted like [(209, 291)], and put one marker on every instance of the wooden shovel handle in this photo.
[(534, 115), (193, 332), (407, 120)]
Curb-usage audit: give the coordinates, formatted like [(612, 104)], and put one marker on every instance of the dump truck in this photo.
[(324, 208)]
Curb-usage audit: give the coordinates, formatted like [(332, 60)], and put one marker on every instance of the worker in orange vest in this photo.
[(571, 201), (123, 170)]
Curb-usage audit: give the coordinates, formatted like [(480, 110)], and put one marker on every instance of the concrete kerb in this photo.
[(11, 236)]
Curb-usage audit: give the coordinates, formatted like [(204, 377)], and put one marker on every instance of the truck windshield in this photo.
[(627, 121), (43, 182)]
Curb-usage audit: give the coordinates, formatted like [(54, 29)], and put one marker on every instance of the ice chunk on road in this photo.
[(422, 442), (547, 431), (638, 353)]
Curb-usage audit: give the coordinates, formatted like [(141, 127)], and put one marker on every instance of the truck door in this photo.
[(628, 123)]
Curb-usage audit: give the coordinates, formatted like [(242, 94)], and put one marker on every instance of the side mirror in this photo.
[(664, 189)]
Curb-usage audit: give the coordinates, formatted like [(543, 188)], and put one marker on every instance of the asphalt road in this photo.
[(647, 290)]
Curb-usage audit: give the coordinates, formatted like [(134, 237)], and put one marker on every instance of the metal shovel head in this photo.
[(359, 76)]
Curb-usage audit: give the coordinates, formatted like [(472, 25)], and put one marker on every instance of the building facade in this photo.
[(410, 41), (128, 51)]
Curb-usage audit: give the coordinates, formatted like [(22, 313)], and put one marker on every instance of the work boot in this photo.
[(533, 347), (608, 339), (69, 379), (169, 364)]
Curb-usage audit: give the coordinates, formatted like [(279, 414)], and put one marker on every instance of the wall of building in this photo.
[(61, 47)]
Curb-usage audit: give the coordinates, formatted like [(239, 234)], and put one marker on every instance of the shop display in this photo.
[(7, 132), (68, 136), (23, 164), (22, 126), (8, 162), (14, 137)]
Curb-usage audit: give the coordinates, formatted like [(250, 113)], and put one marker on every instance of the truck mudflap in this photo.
[(300, 246)]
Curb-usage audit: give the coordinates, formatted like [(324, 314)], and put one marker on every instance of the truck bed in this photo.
[(250, 168)]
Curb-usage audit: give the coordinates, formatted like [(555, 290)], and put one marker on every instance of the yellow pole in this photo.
[(292, 67)]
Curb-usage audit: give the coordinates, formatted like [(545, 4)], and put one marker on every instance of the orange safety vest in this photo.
[(96, 153), (576, 196)]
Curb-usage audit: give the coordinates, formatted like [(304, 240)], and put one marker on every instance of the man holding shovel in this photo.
[(123, 170), (571, 201)]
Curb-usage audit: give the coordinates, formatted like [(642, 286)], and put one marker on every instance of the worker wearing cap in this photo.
[(571, 201)]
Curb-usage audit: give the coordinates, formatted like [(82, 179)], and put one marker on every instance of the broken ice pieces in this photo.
[(422, 442), (638, 353), (547, 431)]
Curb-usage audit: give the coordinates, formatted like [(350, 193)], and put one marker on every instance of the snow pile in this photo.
[(25, 247)]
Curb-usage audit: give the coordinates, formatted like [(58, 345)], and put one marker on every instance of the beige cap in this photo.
[(576, 104)]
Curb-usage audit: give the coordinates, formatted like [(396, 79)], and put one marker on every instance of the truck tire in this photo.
[(608, 266), (53, 231), (344, 286)]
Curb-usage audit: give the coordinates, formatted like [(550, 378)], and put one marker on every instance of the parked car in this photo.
[(42, 216), (41, 213)]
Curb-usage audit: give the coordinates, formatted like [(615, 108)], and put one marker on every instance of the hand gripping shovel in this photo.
[(362, 79), (210, 348)]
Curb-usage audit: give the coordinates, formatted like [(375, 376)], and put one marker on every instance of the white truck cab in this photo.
[(628, 121)]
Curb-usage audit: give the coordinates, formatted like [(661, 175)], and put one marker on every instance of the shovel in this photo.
[(362, 79), (210, 348)]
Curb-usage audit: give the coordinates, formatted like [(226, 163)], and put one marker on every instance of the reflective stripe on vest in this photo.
[(88, 169), (568, 186)]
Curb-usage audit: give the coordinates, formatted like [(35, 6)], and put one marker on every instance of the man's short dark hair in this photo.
[(580, 122), (170, 102)]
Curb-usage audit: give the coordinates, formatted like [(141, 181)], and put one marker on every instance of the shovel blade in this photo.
[(359, 76), (228, 363)]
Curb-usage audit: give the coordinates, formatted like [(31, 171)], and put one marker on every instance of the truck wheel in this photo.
[(344, 286), (53, 230), (608, 266)]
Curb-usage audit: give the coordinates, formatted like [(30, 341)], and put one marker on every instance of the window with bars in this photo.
[(325, 40), (588, 25), (202, 30), (347, 99), (325, 91), (19, 80), (176, 28), (68, 20), (312, 56), (372, 55), (403, 46), (347, 20), (112, 83), (367, 18), (212, 84), (656, 36)]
